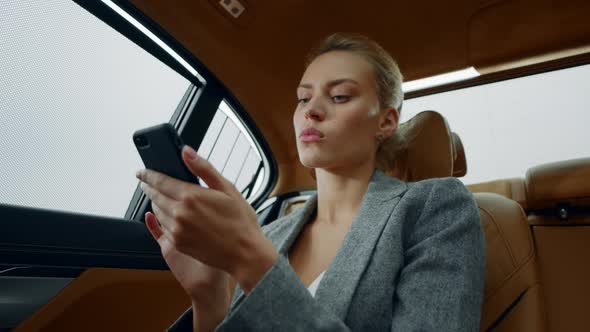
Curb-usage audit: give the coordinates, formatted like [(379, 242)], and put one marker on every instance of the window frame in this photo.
[(107, 15)]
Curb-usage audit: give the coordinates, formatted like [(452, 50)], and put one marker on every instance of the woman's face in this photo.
[(337, 115)]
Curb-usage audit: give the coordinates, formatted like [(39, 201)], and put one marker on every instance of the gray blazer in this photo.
[(413, 260)]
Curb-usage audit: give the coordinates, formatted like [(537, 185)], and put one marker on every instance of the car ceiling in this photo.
[(259, 56)]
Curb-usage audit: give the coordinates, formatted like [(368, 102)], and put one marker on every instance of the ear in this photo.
[(388, 122)]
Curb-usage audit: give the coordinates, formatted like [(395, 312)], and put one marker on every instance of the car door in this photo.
[(78, 78)]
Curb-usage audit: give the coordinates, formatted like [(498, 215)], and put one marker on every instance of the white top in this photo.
[(314, 285)]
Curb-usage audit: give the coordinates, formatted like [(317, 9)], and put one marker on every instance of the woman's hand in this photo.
[(204, 284), (214, 225), (209, 288)]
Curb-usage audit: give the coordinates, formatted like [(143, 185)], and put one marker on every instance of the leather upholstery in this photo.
[(513, 188), (428, 150), (564, 182), (104, 299), (512, 279), (562, 243), (460, 160)]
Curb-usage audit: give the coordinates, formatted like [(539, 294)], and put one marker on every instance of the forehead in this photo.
[(336, 65)]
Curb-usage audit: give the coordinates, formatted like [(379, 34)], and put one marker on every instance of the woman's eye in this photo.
[(340, 99), (302, 100)]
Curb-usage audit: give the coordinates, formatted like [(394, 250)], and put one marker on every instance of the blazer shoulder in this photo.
[(440, 193), (448, 185)]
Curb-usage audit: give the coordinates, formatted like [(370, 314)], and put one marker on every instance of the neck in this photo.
[(341, 191)]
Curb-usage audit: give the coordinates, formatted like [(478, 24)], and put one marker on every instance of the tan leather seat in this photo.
[(558, 197), (559, 183), (428, 150), (460, 160), (512, 188), (513, 298)]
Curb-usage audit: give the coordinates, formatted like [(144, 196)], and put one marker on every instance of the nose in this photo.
[(314, 111)]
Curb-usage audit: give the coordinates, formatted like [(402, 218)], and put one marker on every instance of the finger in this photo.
[(203, 169), (164, 202), (152, 225), (161, 222), (165, 221), (165, 184), (159, 233)]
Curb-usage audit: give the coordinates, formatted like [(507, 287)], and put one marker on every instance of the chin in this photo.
[(310, 161)]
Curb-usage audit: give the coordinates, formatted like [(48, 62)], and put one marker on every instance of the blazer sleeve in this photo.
[(278, 302), (440, 287)]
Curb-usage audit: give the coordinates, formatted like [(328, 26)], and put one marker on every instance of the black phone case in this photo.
[(162, 153)]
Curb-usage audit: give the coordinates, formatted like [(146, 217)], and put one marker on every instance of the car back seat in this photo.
[(459, 161), (513, 299), (512, 188), (558, 199), (513, 296), (428, 150)]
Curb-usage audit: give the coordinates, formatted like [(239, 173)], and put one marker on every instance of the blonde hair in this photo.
[(388, 78)]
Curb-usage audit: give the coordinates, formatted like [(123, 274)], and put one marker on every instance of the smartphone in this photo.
[(160, 149)]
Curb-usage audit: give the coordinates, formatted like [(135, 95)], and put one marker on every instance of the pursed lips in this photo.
[(309, 135)]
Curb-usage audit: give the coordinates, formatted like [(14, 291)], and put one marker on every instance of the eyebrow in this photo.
[(331, 83)]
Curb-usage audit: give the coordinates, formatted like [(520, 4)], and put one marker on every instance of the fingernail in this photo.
[(139, 174), (192, 154)]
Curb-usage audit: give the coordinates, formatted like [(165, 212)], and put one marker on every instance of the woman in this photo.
[(376, 253)]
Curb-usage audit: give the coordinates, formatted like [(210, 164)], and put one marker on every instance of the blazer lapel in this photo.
[(285, 234), (340, 280)]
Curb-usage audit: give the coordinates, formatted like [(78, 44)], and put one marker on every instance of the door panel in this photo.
[(21, 296), (109, 266), (39, 237), (104, 299)]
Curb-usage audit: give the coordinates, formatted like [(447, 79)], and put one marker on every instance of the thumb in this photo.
[(152, 225), (203, 169)]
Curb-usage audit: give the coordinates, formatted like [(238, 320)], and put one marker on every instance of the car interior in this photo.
[(103, 273)]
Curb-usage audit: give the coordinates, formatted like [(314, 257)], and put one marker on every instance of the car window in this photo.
[(230, 149), (73, 92), (508, 126)]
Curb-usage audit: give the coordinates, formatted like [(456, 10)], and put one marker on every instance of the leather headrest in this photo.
[(460, 162), (428, 149), (563, 182)]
